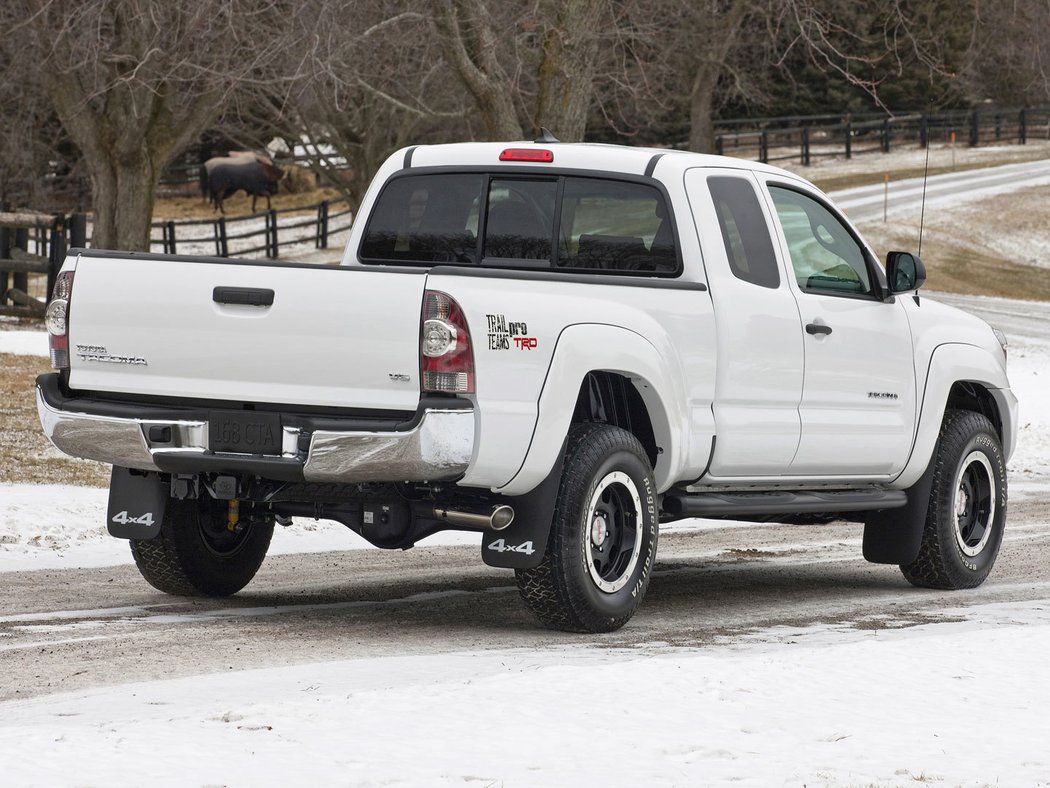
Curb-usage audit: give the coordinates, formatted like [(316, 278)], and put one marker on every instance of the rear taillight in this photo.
[(56, 318), (446, 358)]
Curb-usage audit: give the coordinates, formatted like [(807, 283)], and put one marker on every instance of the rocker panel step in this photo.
[(779, 502)]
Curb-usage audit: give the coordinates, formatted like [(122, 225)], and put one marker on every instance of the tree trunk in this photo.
[(124, 194), (701, 110), (720, 31), (567, 66)]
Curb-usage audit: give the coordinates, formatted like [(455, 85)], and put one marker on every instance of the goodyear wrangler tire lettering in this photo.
[(602, 545)]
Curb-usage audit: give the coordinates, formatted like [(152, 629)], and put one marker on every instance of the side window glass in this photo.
[(744, 231), (615, 226), (825, 256), (520, 221)]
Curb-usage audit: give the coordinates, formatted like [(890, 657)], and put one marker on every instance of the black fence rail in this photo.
[(32, 248), (807, 138), (264, 232)]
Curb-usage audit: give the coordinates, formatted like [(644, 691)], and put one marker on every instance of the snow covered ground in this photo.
[(967, 702), (966, 706)]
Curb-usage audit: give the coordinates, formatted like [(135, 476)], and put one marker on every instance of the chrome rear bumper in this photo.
[(438, 446)]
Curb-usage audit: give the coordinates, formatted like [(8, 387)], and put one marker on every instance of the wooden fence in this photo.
[(32, 247), (247, 235), (807, 138)]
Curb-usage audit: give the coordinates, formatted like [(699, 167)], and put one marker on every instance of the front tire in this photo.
[(196, 554), (602, 544), (967, 513)]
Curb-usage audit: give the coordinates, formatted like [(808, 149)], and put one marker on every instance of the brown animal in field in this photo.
[(253, 172)]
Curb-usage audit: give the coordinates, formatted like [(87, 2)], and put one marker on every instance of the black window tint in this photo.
[(744, 231), (520, 221), (425, 218), (825, 255), (573, 224), (615, 226)]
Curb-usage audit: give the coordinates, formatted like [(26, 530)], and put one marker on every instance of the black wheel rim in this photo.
[(215, 530), (613, 532), (974, 511)]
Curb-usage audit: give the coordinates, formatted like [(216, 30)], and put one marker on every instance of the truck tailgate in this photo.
[(332, 336)]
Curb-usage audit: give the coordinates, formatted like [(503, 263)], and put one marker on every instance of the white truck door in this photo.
[(858, 400), (758, 330)]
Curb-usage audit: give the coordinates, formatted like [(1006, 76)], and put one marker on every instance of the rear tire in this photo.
[(967, 513), (602, 544), (195, 554)]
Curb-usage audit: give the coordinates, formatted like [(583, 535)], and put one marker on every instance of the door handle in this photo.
[(251, 296), (818, 328)]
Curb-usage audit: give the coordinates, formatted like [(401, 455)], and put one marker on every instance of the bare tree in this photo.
[(526, 64), (134, 81), (375, 83)]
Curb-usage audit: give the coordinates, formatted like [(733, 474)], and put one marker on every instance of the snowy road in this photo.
[(866, 202), (82, 628)]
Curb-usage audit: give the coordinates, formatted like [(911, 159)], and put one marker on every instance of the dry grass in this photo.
[(26, 455), (997, 246)]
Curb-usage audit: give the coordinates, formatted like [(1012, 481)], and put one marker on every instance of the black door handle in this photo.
[(252, 296), (817, 328)]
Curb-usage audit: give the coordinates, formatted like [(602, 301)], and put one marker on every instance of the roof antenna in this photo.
[(922, 210), (546, 137)]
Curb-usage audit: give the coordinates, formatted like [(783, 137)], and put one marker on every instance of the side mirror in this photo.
[(905, 272)]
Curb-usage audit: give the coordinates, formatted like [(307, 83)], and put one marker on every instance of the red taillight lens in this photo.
[(527, 154), (56, 318), (446, 358)]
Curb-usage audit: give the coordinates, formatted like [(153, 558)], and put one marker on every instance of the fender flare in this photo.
[(589, 347), (950, 364)]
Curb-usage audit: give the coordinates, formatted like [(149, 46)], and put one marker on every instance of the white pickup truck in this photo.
[(559, 346)]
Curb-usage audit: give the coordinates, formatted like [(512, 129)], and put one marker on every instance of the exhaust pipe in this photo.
[(498, 519)]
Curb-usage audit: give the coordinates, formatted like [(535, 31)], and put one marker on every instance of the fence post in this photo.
[(20, 280), (321, 240), (221, 244), (975, 129), (805, 146), (271, 235), (924, 131), (884, 141), (169, 247), (1022, 130), (849, 139), (5, 254), (56, 254), (763, 147), (719, 145), (78, 231)]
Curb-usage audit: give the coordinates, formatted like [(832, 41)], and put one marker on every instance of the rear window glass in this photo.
[(564, 223)]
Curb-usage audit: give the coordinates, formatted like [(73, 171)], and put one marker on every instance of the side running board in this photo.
[(753, 504)]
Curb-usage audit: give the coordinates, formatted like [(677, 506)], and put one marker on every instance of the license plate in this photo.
[(245, 432)]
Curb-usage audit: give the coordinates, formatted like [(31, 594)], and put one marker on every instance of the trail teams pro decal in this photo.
[(503, 335)]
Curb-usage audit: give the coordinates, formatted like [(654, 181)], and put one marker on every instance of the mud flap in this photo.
[(894, 536), (137, 500), (523, 543)]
